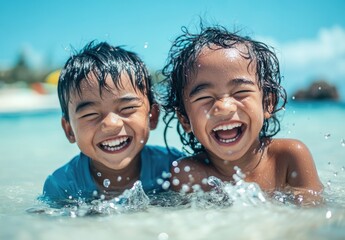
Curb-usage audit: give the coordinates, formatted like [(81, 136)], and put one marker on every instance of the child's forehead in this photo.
[(223, 58), (93, 86), (238, 49)]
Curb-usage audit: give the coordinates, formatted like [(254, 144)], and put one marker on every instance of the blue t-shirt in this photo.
[(74, 179)]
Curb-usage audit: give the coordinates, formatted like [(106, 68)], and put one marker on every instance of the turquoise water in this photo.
[(33, 145)]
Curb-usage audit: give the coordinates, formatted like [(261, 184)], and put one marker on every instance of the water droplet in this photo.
[(328, 214), (191, 178), (163, 236), (335, 174), (160, 181), (185, 188), (329, 163), (320, 88), (342, 142), (329, 183), (342, 168), (204, 181), (99, 174), (166, 174), (106, 182), (141, 141), (327, 135), (293, 97), (119, 178), (208, 116), (146, 45), (294, 174), (186, 168), (175, 182), (166, 185)]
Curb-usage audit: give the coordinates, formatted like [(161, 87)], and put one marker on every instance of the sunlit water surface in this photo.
[(33, 145)]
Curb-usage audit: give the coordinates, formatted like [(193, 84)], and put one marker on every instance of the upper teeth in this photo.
[(112, 143), (227, 127)]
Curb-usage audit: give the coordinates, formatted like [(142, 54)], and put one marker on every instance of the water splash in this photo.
[(131, 200), (225, 194)]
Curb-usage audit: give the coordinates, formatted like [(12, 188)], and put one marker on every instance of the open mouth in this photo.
[(228, 133), (115, 145)]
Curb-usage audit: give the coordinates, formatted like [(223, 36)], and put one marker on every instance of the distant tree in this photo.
[(21, 72)]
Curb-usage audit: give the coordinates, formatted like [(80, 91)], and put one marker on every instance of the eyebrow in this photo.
[(124, 99), (198, 88), (83, 105), (237, 81)]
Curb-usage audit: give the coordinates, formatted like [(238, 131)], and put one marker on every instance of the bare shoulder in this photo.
[(298, 162), (291, 149), (189, 171)]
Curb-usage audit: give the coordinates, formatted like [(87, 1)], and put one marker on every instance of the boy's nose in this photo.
[(223, 106), (111, 122)]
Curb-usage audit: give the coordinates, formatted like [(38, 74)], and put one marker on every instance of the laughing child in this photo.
[(225, 91), (108, 110)]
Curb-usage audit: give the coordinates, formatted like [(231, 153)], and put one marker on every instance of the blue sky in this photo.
[(309, 36)]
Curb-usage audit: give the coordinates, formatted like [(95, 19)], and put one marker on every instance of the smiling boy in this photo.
[(108, 110)]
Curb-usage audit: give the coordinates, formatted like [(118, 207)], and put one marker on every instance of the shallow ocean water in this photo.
[(33, 145)]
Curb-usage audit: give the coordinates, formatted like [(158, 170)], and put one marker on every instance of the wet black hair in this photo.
[(102, 59), (181, 61)]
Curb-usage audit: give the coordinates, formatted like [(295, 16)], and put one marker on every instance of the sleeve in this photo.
[(53, 191)]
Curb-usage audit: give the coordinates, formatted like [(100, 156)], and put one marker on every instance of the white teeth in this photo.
[(115, 148), (113, 143), (227, 140), (227, 127)]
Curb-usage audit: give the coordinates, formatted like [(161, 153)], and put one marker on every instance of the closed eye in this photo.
[(202, 98), (242, 93), (129, 109), (89, 115)]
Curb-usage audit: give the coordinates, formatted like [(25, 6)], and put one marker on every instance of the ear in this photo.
[(154, 116), (267, 115), (68, 130), (184, 122), (269, 106)]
